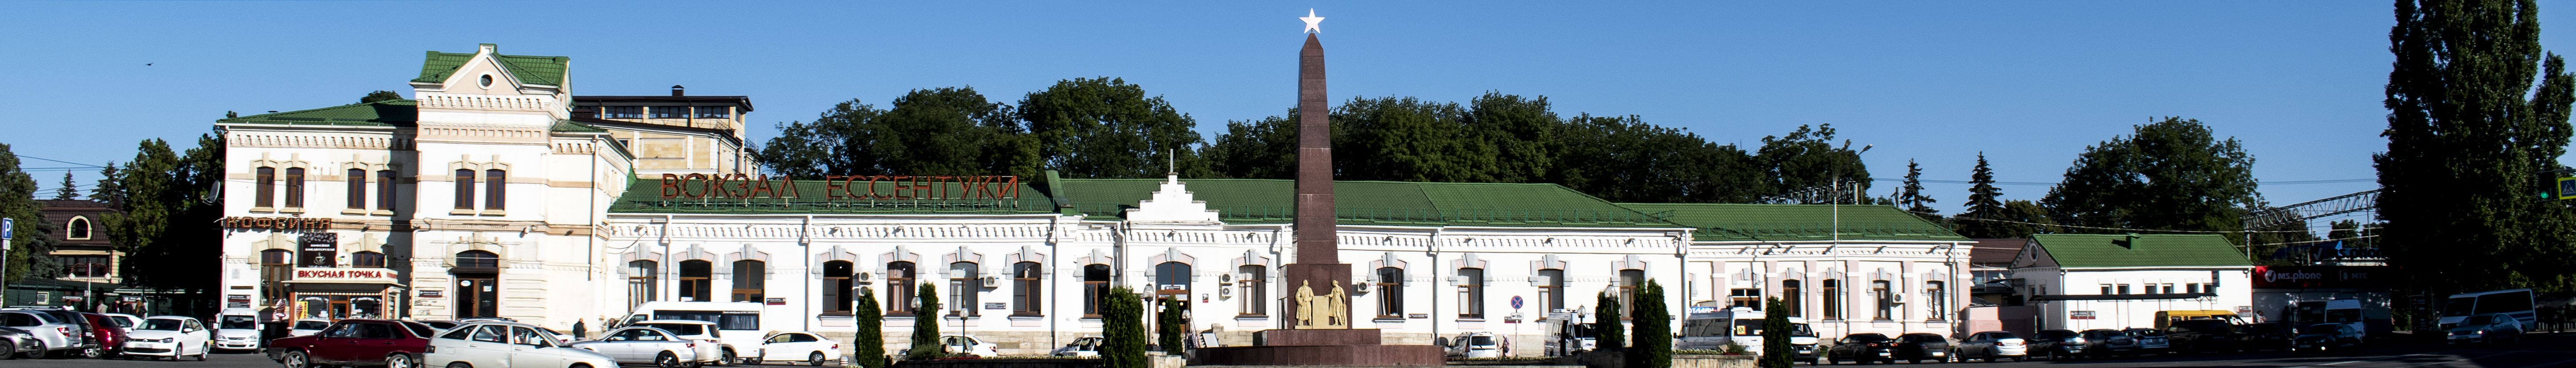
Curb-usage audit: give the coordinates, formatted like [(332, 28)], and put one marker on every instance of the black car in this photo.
[(2203, 336), (2326, 338), (1863, 348), (1921, 346), (2057, 344), (2104, 342)]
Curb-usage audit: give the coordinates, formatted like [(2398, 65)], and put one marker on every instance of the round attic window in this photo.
[(487, 80)]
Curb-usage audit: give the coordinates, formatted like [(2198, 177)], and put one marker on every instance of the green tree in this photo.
[(1911, 195), (2171, 174), (1607, 333), (1654, 335), (1107, 128), (1524, 133), (378, 96), (1807, 159), (1170, 329), (1624, 159), (68, 190), (838, 142), (2470, 139), (1122, 330), (106, 190), (31, 252), (945, 131), (166, 207), (1408, 139), (869, 348), (1776, 350), (925, 325), (1255, 149), (1983, 203)]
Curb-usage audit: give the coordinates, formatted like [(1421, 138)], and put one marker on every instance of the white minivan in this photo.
[(737, 323), (237, 329)]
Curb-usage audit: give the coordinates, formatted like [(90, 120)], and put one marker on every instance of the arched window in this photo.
[(295, 187), (641, 281), (364, 259), (1471, 293), (1254, 297), (477, 259), (1833, 291), (1551, 289), (1886, 299), (79, 229), (697, 280), (1172, 278), (1025, 281), (464, 189), (750, 277), (357, 189), (1791, 299), (837, 288), (1936, 300), (1095, 288), (495, 191), (267, 193), (1390, 292), (899, 288), (962, 289)]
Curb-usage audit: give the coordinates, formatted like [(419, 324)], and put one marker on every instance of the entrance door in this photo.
[(477, 296)]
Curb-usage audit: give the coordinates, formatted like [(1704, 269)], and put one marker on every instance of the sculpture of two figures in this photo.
[(1322, 311)]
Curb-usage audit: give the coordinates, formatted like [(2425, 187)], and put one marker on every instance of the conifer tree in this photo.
[(869, 349), (1122, 330), (925, 326), (1607, 333)]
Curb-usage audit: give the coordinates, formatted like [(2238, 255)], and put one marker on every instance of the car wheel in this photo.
[(667, 360), (814, 359), (297, 359), (459, 365), (729, 358), (395, 360), (8, 349), (92, 353), (201, 353)]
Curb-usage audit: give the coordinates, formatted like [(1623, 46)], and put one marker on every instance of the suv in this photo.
[(2203, 335), (54, 332), (711, 350), (2058, 344)]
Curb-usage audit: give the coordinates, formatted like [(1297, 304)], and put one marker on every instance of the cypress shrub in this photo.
[(869, 350), (1776, 351), (1172, 327), (1607, 333), (925, 326), (1122, 325), (1654, 335)]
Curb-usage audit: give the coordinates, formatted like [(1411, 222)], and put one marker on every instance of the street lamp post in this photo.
[(1837, 231)]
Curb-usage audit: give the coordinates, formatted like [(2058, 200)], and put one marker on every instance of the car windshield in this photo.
[(1801, 330), (121, 322), (238, 323), (2460, 307), (163, 324), (677, 328), (2479, 320), (2319, 329)]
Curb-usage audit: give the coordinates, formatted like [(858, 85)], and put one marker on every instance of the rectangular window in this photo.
[(1792, 298), (1629, 280), (1095, 288), (1255, 298), (1886, 299), (385, 190), (838, 298), (625, 112), (715, 112), (1471, 293), (749, 280), (2169, 288), (1390, 292), (670, 112), (367, 260), (2124, 289), (640, 281), (464, 189), (1748, 298), (357, 189), (1834, 305), (2106, 289), (1936, 300), (1026, 279), (267, 193), (86, 265), (962, 289), (899, 288), (295, 187), (2193, 288), (495, 182)]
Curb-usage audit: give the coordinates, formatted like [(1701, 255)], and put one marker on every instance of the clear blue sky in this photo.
[(2030, 84)]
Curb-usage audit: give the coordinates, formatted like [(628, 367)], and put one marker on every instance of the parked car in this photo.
[(125, 321), (394, 344), (647, 345), (2263, 336), (711, 350), (506, 345), (2203, 335), (2104, 342), (111, 337), (968, 345), (440, 324), (1992, 345), (2496, 328), (1475, 345), (2150, 341), (170, 336), (237, 329), (14, 341), (2058, 344), (1863, 348), (1921, 346), (2325, 338), (307, 327), (798, 347), (1081, 347), (55, 335)]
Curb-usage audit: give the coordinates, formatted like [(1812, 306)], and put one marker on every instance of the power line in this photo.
[(61, 161), (2131, 229)]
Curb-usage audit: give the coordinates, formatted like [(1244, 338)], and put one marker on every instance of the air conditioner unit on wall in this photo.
[(992, 281)]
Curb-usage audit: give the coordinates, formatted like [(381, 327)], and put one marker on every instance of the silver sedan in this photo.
[(645, 345), (507, 345)]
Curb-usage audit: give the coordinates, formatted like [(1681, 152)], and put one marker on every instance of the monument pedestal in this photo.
[(1331, 347)]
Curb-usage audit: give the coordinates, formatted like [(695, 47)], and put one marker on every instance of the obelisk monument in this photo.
[(1318, 263)]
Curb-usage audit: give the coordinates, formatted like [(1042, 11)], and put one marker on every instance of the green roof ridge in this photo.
[(537, 70), (379, 113), (1794, 222)]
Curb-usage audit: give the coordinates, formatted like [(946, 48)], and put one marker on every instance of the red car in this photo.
[(355, 342), (111, 336)]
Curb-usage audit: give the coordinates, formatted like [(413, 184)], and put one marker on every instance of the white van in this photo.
[(737, 323), (237, 329)]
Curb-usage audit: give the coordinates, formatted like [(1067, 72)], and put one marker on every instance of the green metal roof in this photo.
[(538, 70), (812, 197), (379, 113), (1795, 222), (2159, 250), (1256, 201), (570, 126)]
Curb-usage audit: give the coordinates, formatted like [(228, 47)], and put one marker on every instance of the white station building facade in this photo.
[(485, 196)]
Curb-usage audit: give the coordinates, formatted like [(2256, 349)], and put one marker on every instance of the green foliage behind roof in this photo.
[(1795, 222), (645, 196), (1263, 201), (539, 70), (379, 113), (2103, 250)]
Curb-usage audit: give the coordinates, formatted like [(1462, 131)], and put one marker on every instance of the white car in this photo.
[(646, 345), (710, 349), (308, 326), (507, 345), (170, 336), (798, 347), (237, 332), (1475, 345), (1082, 347), (955, 345)]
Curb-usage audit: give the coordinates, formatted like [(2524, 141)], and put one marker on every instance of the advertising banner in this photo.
[(2324, 277)]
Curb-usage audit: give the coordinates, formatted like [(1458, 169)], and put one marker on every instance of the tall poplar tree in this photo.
[(2471, 142)]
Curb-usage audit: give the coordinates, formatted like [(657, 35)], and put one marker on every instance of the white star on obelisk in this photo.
[(1312, 21)]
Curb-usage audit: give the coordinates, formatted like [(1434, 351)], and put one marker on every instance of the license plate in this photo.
[(1937, 353)]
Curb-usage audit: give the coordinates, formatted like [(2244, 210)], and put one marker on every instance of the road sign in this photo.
[(2566, 188), (8, 231), (1516, 302)]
